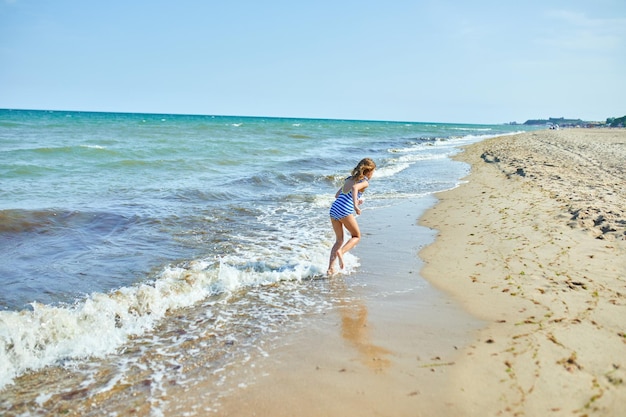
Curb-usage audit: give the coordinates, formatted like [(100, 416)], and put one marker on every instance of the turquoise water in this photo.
[(110, 221)]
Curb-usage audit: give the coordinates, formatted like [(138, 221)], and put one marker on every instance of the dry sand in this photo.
[(535, 245)]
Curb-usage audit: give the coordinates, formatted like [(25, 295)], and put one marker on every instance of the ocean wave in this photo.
[(194, 195), (27, 170), (82, 148), (17, 221), (473, 129), (102, 323), (94, 147), (394, 166), (52, 255), (392, 169), (44, 221)]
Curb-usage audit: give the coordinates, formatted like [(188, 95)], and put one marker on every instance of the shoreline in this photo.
[(386, 347), (534, 245)]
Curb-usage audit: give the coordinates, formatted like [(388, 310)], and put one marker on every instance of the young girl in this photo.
[(344, 208)]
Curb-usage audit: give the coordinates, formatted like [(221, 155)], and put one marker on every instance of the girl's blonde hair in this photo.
[(364, 165)]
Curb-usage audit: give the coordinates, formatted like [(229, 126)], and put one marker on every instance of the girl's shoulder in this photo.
[(351, 181)]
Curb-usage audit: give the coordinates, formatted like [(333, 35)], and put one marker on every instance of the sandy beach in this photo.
[(530, 256), (534, 244), (505, 296)]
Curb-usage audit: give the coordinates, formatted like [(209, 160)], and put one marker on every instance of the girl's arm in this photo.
[(355, 194)]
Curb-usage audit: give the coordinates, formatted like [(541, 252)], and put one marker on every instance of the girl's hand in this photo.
[(357, 210)]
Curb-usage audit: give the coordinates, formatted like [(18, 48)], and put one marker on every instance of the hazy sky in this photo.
[(474, 61)]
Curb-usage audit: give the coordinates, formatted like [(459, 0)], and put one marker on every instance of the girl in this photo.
[(344, 208)]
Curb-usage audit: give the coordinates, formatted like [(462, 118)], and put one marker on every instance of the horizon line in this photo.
[(251, 117)]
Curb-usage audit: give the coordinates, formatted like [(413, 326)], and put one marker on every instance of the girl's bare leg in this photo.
[(338, 229), (353, 227)]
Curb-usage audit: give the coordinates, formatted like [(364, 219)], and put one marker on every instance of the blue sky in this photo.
[(478, 61)]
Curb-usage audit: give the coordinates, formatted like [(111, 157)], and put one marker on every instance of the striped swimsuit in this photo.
[(344, 205)]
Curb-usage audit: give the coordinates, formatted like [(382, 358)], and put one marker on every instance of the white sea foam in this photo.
[(473, 129), (403, 162), (391, 170), (93, 146)]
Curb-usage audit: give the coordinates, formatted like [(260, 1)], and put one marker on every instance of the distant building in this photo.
[(553, 121)]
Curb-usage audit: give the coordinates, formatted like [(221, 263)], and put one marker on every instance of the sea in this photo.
[(139, 252)]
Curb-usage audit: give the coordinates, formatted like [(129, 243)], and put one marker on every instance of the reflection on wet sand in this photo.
[(355, 330)]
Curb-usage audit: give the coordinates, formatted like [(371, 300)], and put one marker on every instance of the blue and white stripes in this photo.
[(342, 206)]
